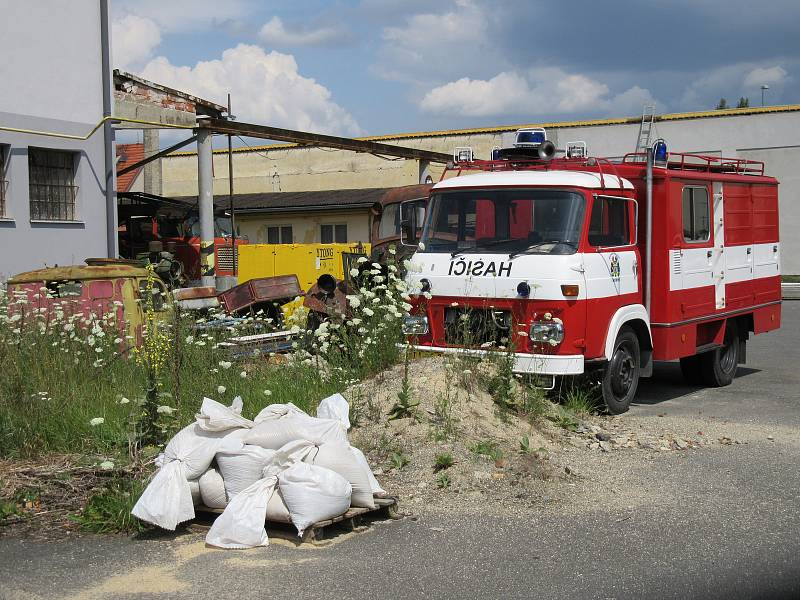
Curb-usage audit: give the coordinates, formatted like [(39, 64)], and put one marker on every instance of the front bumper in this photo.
[(538, 364)]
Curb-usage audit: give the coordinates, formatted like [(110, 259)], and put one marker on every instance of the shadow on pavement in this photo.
[(667, 383)]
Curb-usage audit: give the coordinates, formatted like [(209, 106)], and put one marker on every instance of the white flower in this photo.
[(225, 364), (295, 329), (90, 340), (362, 259), (392, 251), (548, 316), (106, 465), (97, 421), (267, 393), (354, 272), (189, 339), (165, 410), (243, 374), (123, 400), (221, 389), (368, 311), (356, 321), (467, 372), (421, 246), (354, 301)]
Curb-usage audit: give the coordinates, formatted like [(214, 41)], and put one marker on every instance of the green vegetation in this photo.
[(398, 460), (109, 510), (488, 449), (443, 480), (443, 461), (406, 406), (790, 278)]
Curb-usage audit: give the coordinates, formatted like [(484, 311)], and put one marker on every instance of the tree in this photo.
[(743, 102), (723, 104)]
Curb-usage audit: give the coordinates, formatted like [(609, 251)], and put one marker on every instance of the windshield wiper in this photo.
[(539, 245), (480, 246)]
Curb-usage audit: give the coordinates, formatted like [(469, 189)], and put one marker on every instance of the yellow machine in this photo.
[(307, 261)]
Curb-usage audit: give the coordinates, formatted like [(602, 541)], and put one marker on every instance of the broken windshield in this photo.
[(502, 221)]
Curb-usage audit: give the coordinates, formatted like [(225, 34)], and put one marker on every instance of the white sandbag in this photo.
[(195, 448), (214, 416), (241, 465), (313, 494), (212, 489), (275, 433), (167, 500), (276, 411), (276, 508), (377, 490), (194, 489), (241, 525), (335, 407), (340, 458)]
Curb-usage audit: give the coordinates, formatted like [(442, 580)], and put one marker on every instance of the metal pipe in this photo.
[(103, 121), (230, 196), (108, 136), (156, 156), (205, 206), (648, 268)]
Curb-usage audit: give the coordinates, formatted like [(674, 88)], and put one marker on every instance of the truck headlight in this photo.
[(548, 332), (415, 325)]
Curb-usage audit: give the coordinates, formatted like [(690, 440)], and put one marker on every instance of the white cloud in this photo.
[(133, 39), (542, 91), (265, 88), (275, 33), (632, 101), (765, 75), (430, 46)]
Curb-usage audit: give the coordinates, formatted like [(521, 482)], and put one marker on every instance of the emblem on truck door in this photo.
[(614, 267)]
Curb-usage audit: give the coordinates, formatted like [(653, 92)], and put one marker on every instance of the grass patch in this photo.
[(443, 461), (790, 278), (109, 510), (398, 460), (488, 449), (443, 481)]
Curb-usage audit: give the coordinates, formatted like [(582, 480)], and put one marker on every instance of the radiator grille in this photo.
[(225, 258), (473, 327)]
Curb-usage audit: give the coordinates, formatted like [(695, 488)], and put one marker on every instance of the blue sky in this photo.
[(370, 67)]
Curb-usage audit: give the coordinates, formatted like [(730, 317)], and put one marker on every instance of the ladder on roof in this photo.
[(645, 128)]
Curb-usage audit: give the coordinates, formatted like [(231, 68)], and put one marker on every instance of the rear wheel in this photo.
[(719, 366), (621, 377)]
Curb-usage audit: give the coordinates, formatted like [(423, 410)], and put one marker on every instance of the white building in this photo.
[(57, 204)]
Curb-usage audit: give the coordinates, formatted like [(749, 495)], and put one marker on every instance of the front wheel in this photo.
[(621, 377)]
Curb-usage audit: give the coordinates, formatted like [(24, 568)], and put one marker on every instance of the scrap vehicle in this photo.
[(579, 264), (166, 233), (385, 229), (98, 289)]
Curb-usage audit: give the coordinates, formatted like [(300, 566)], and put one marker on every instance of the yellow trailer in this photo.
[(307, 261)]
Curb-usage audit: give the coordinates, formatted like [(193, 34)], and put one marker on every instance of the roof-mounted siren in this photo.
[(463, 154), (533, 141), (660, 153), (576, 150)]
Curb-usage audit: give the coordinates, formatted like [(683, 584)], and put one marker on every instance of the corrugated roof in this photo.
[(288, 201), (729, 112), (130, 154)]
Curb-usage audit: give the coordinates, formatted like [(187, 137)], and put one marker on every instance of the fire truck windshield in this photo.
[(533, 221)]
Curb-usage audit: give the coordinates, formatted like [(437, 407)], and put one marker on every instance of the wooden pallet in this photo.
[(386, 508)]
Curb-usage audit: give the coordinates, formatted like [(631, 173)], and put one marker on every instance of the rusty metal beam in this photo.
[(304, 138), (156, 156)]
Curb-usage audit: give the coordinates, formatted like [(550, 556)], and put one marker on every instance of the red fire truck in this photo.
[(579, 264)]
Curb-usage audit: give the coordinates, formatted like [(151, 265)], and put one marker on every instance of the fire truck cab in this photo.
[(577, 264)]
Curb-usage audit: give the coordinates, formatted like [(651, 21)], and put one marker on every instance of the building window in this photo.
[(280, 234), (329, 234), (51, 175), (696, 215), (608, 226), (3, 182)]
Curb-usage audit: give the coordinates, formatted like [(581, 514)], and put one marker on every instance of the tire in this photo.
[(692, 369), (719, 366), (621, 376)]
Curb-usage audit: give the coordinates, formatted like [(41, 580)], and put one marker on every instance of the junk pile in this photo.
[(283, 466)]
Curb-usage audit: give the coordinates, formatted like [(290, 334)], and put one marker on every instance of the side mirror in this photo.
[(408, 224)]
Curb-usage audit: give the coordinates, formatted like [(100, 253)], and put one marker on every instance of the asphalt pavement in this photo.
[(718, 523)]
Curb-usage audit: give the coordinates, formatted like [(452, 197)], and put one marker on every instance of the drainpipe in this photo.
[(108, 136), (205, 205), (649, 232)]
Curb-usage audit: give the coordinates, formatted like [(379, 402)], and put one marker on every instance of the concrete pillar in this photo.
[(152, 170), (205, 204), (425, 172)]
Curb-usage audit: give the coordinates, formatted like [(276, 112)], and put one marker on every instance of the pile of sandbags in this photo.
[(284, 466)]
